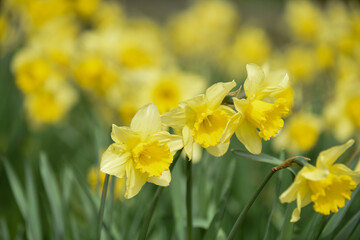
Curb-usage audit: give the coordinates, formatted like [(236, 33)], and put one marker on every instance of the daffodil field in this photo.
[(202, 119)]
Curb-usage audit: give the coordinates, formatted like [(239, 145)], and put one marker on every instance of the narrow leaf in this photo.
[(4, 230), (53, 194), (349, 227)]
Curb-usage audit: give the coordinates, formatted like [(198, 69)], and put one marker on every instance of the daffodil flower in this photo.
[(327, 185), (259, 116), (142, 152), (203, 119)]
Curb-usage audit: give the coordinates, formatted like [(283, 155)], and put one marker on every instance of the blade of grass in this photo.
[(4, 230), (248, 206), (316, 227), (53, 194), (215, 224), (16, 188), (288, 227), (102, 205), (33, 218), (349, 227)]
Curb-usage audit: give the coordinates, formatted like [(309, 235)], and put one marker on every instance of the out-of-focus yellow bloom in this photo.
[(109, 15), (203, 119), (301, 64), (324, 56), (251, 45), (300, 134), (3, 27), (85, 8), (204, 29), (172, 87), (342, 113), (327, 185), (95, 74), (96, 180), (51, 102), (134, 53), (142, 152), (269, 97), (304, 19), (38, 12)]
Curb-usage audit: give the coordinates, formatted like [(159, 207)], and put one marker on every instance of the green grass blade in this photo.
[(215, 224), (53, 194), (4, 230), (335, 219), (67, 179), (349, 227), (288, 227), (262, 157), (16, 188), (316, 225), (33, 218)]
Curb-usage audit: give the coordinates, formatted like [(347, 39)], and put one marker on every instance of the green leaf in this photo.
[(16, 188), (53, 194), (33, 218), (315, 226), (288, 227), (349, 227), (67, 179), (335, 219), (215, 224), (4, 230)]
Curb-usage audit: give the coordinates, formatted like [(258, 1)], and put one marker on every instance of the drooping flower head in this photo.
[(142, 152), (327, 185), (202, 119), (269, 98)]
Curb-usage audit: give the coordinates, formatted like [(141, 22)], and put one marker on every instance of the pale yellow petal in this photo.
[(312, 173), (248, 135), (188, 141), (175, 118), (231, 127), (134, 180), (328, 157), (219, 149), (357, 168), (113, 160), (197, 152), (290, 194), (254, 81), (174, 142), (241, 104), (124, 135), (341, 169), (147, 120), (217, 92), (163, 180)]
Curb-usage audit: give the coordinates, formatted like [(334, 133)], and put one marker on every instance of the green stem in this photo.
[(102, 204), (301, 161), (248, 206), (189, 197), (155, 200)]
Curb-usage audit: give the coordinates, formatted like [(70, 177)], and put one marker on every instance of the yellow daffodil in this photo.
[(268, 98), (327, 185), (300, 134), (142, 152), (203, 119)]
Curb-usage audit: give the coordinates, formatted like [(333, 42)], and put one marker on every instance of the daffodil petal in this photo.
[(163, 180), (248, 135), (174, 142), (231, 127), (134, 180), (217, 92), (188, 141), (329, 156), (147, 120), (114, 159), (254, 81), (175, 118), (312, 173), (124, 135), (219, 149)]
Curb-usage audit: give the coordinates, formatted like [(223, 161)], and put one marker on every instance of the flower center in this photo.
[(152, 158), (330, 194), (209, 127), (166, 95), (267, 116)]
